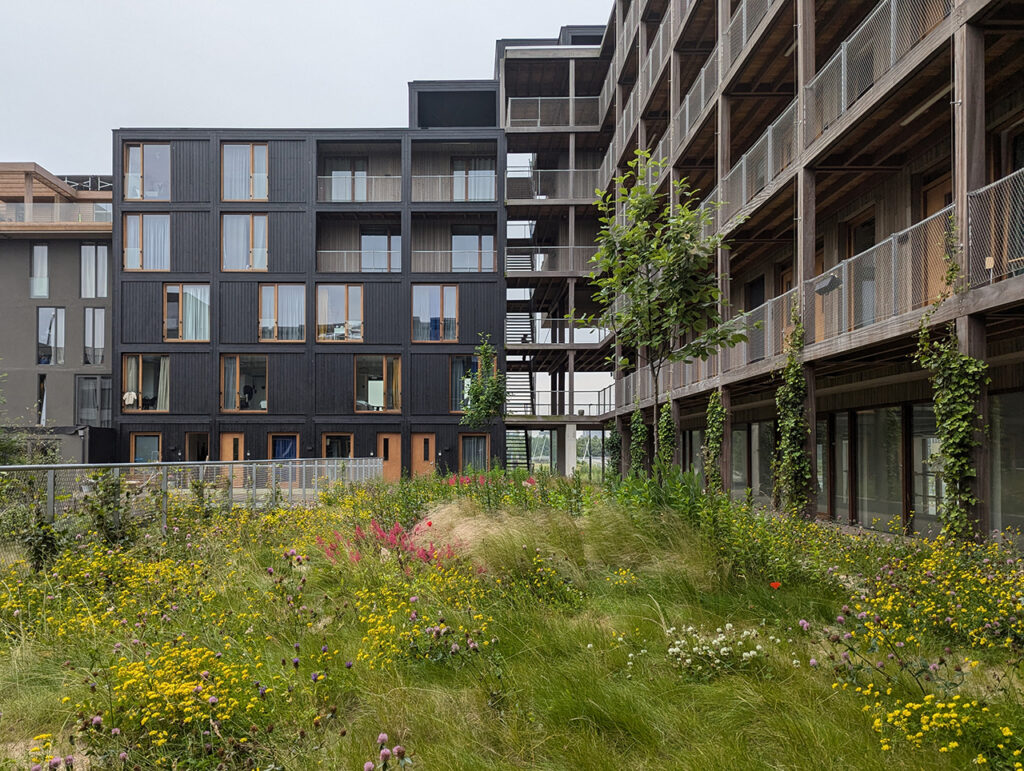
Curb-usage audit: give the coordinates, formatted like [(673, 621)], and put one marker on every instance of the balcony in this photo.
[(549, 259), (535, 329), (554, 404), (474, 186), (630, 27), (527, 184), (448, 261), (654, 62), (358, 188), (703, 90), (553, 112), (357, 261), (628, 119), (766, 327), (904, 272), (885, 36), (995, 231), (764, 162), (741, 27), (62, 217)]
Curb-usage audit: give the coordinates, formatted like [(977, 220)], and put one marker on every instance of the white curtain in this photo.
[(57, 336), (195, 312), (131, 380), (235, 241), (291, 312), (259, 242), (88, 253), (132, 240), (101, 270), (163, 386), (236, 172), (156, 241), (259, 172), (230, 398), (355, 312)]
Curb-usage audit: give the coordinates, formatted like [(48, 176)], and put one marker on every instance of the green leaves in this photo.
[(791, 464), (713, 438), (486, 391)]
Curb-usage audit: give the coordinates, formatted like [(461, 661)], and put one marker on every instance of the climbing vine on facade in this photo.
[(791, 464), (637, 442), (713, 438), (613, 448), (485, 392), (957, 383)]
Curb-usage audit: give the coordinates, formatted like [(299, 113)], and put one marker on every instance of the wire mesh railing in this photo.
[(702, 90), (70, 498), (654, 61), (590, 404), (766, 328), (556, 184), (903, 273), (472, 186), (888, 33), (741, 27), (995, 230), (524, 328), (549, 259), (552, 112)]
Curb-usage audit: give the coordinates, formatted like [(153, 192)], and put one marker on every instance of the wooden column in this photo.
[(968, 123), (971, 335)]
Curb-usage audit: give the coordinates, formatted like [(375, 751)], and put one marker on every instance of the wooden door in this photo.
[(932, 280), (389, 449), (423, 456), (232, 448)]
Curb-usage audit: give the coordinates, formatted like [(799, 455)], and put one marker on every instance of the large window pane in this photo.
[(147, 384), (821, 455), (474, 452), (291, 313), (926, 484), (93, 401), (50, 336), (260, 182), (1006, 430), (880, 468), (434, 313), (237, 172), (464, 369), (339, 312), (235, 243), (378, 384), (147, 242), (195, 312), (761, 449), (740, 477), (244, 381), (145, 448), (39, 272), (95, 324), (133, 172), (841, 494), (94, 270), (380, 252), (156, 172), (337, 445)]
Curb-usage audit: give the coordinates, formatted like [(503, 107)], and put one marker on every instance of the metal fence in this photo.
[(576, 403), (995, 230), (541, 184), (883, 38), (358, 188), (63, 495), (741, 27), (549, 259), (552, 111), (766, 328), (654, 61)]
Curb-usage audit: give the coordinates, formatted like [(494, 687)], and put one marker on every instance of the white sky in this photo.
[(75, 69)]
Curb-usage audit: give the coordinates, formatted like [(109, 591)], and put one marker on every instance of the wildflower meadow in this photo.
[(501, 620)]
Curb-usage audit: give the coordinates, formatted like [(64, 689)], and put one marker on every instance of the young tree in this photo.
[(656, 284), (485, 393)]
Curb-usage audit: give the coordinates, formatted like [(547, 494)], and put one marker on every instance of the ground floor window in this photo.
[(1006, 433), (283, 446), (474, 452), (93, 400), (145, 448), (880, 468), (337, 445), (243, 383), (378, 384), (197, 446)]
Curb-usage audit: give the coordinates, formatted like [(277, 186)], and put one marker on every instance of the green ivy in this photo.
[(637, 442), (957, 383), (713, 439), (666, 439), (613, 448), (486, 392), (791, 464)]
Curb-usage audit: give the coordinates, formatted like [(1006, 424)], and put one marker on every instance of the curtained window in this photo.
[(435, 313), (244, 380), (94, 270), (50, 336), (39, 272), (147, 242), (147, 173), (380, 251), (378, 384), (147, 383), (282, 312), (463, 370), (348, 178), (244, 172), (187, 312), (92, 401), (473, 179), (339, 312), (473, 452), (95, 325), (244, 242)]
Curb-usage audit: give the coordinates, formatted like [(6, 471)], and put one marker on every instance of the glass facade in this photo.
[(1006, 434), (880, 468)]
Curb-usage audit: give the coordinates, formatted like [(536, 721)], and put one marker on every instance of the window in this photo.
[(187, 312), (473, 179), (348, 179), (93, 401), (147, 242), (147, 173), (244, 242), (145, 448), (146, 383), (474, 452), (94, 270), (339, 312), (282, 312), (435, 313), (50, 328), (243, 383), (472, 249), (39, 272), (95, 329), (463, 370), (380, 251), (283, 446), (197, 446), (244, 173), (41, 402), (378, 384), (337, 445)]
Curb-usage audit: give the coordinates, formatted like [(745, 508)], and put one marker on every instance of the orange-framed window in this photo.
[(243, 242), (244, 172), (243, 383), (146, 447), (147, 242), (145, 382), (339, 313), (282, 313), (187, 313), (378, 383), (147, 172), (435, 313)]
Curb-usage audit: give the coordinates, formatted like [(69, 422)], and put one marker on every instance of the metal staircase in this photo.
[(517, 448)]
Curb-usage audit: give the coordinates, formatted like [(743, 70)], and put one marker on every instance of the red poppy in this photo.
[(774, 584), (429, 523)]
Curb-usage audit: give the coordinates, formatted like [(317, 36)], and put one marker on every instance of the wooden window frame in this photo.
[(330, 434), (851, 224), (275, 434), (238, 378), (160, 443), (450, 358), (181, 293), (384, 373), (479, 234), (487, 436), (389, 232), (252, 231), (252, 165), (142, 170), (137, 388), (468, 159), (412, 319), (362, 307), (259, 324), (142, 239), (351, 159), (86, 341)]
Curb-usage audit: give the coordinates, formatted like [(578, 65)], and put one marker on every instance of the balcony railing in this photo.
[(589, 404), (357, 261), (741, 27), (630, 24), (353, 188), (628, 119), (607, 94), (654, 61), (553, 112), (608, 168), (549, 259), (476, 186), (557, 184), (458, 261), (766, 328), (56, 213), (769, 156), (904, 272), (538, 329), (704, 87), (885, 36), (995, 230)]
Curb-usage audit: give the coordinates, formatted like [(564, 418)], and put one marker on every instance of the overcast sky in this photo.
[(75, 69)]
